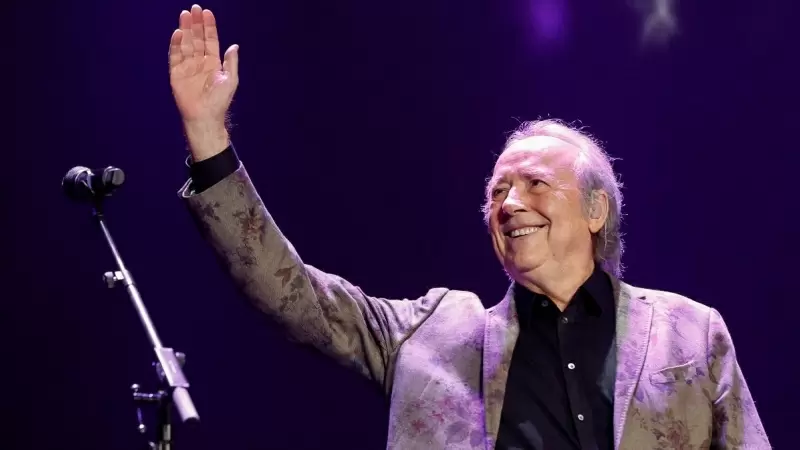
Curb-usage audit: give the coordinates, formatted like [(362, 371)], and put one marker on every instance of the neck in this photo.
[(559, 284)]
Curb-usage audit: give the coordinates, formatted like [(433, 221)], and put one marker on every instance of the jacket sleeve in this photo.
[(314, 307), (736, 424)]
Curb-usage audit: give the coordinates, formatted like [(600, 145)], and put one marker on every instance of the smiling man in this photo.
[(572, 357), (553, 208), (552, 193)]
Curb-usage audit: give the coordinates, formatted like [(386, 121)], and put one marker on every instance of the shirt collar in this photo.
[(596, 296)]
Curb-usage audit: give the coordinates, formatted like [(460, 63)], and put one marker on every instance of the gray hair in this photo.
[(594, 172)]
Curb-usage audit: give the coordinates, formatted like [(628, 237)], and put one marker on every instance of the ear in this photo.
[(598, 210)]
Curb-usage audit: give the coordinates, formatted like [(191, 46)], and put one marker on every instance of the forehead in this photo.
[(544, 155)]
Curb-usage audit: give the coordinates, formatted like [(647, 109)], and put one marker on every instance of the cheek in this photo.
[(493, 216), (564, 214), (573, 229), (549, 207), (494, 233)]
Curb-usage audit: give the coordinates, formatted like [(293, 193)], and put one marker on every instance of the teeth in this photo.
[(525, 231)]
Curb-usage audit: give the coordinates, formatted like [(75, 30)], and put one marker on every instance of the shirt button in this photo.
[(564, 320), (580, 417), (544, 303), (571, 366)]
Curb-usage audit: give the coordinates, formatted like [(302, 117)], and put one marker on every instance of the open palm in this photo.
[(202, 84)]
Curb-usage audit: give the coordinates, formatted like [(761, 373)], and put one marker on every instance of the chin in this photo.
[(518, 267)]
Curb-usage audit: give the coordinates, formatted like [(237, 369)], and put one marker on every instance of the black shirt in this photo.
[(560, 385)]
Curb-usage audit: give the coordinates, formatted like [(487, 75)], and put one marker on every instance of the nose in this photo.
[(513, 203)]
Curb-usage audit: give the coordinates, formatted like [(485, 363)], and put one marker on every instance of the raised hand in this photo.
[(202, 83)]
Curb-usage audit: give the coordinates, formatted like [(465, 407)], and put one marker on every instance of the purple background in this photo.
[(369, 128)]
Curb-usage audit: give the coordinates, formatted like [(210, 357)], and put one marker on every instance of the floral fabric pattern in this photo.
[(443, 359)]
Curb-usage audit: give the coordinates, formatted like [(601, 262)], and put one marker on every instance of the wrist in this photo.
[(206, 138)]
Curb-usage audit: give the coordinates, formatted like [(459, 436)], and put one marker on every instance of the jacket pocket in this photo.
[(673, 374)]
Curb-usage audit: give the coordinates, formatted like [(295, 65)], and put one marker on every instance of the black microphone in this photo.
[(80, 183)]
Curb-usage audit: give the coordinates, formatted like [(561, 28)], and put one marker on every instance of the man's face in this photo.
[(536, 216)]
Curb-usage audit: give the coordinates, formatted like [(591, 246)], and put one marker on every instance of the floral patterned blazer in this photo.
[(443, 358)]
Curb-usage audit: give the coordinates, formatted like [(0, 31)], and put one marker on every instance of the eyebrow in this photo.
[(533, 172), (537, 172)]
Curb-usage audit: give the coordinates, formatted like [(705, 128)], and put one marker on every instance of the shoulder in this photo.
[(454, 301), (669, 301), (456, 296), (675, 310)]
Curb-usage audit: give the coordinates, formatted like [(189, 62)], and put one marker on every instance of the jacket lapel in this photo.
[(634, 318), (500, 336)]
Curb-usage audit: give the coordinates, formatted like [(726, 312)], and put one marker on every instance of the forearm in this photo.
[(264, 264), (206, 138), (315, 308)]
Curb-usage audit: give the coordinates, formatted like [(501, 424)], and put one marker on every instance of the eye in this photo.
[(498, 191), (536, 183)]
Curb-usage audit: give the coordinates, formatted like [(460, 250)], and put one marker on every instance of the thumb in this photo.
[(230, 63)]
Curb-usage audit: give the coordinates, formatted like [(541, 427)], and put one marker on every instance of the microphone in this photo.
[(80, 183)]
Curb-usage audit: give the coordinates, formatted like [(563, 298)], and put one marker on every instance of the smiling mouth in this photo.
[(519, 232)]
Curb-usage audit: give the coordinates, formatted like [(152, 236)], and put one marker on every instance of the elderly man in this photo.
[(572, 357)]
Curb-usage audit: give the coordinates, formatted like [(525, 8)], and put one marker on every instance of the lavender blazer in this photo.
[(443, 358)]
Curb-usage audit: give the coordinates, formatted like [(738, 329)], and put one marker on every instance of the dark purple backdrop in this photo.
[(369, 128)]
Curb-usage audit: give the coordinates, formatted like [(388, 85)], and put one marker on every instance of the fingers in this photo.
[(198, 36), (175, 56), (185, 27), (231, 63), (210, 29)]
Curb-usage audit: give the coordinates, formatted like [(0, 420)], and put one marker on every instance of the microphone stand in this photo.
[(169, 367)]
